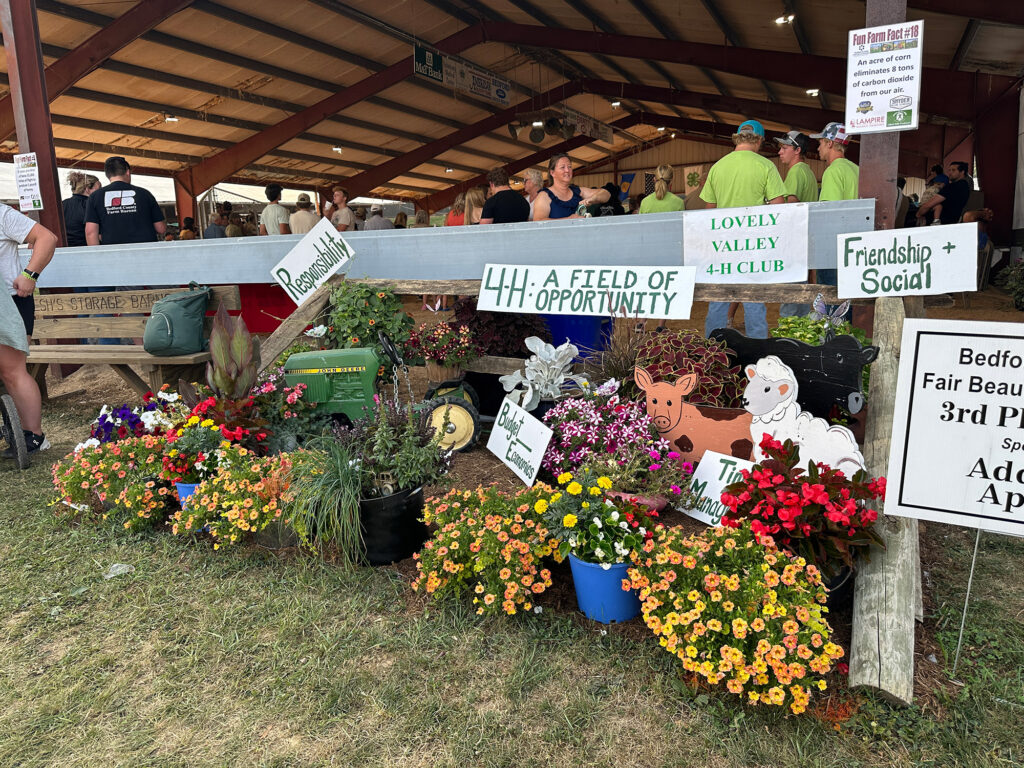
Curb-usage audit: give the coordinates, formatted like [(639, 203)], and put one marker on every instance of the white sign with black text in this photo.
[(883, 78), (908, 262), (715, 471), (519, 440), (26, 176), (760, 244), (307, 266), (957, 451), (651, 292)]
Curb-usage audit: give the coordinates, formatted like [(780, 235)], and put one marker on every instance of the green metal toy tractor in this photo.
[(343, 383)]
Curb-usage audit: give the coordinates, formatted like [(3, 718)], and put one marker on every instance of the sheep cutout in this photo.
[(770, 397)]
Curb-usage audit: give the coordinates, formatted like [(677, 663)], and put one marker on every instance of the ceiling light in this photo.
[(537, 123), (449, 170), (339, 150), (673, 135), (169, 118), (616, 104), (787, 19), (662, 129), (812, 91)]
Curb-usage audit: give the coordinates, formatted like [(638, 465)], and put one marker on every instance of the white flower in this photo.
[(623, 525), (599, 553), (168, 397), (597, 521), (620, 550), (605, 566), (614, 515), (643, 531), (317, 332), (92, 442), (573, 541), (610, 387), (538, 609)]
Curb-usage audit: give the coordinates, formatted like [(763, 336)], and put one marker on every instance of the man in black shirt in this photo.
[(122, 213), (503, 206), (953, 197)]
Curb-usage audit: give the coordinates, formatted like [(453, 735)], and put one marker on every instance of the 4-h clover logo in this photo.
[(692, 179)]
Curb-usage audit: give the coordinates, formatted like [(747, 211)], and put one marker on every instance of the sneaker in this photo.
[(33, 444)]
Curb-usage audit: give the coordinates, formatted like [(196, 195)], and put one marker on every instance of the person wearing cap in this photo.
[(801, 187), (303, 219), (840, 181), (376, 219), (121, 212), (740, 179)]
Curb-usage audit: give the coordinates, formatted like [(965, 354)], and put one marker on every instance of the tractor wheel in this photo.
[(455, 388), (12, 431), (463, 428)]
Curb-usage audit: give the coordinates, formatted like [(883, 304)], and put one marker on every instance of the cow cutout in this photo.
[(693, 429), (771, 398), (830, 373)]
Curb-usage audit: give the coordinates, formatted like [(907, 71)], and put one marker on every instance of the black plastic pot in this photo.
[(840, 589), (543, 407), (488, 389), (391, 527)]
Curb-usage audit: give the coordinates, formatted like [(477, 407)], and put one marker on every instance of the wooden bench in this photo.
[(115, 314)]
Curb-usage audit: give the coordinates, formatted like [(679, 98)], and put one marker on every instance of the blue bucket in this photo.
[(582, 330), (599, 592), (184, 491)]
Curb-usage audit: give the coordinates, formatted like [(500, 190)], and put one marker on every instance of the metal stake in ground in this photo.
[(967, 597)]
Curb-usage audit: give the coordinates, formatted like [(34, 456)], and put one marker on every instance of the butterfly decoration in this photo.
[(835, 318)]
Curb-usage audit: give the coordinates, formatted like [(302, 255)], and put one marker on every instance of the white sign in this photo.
[(26, 175), (715, 471), (307, 266), (519, 440), (760, 244), (464, 76), (908, 262), (654, 292), (883, 78), (957, 451), (589, 126)]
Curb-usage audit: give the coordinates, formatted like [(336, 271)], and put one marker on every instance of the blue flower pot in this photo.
[(184, 491), (599, 592)]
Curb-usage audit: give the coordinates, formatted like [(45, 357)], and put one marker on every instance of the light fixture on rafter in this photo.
[(812, 91), (339, 150), (616, 104), (673, 135), (169, 118), (449, 170), (785, 19), (661, 129)]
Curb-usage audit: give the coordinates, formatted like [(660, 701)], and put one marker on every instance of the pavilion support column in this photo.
[(996, 131), (31, 106), (888, 587), (1018, 196), (184, 200)]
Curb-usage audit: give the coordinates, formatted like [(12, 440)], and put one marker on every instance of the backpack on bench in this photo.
[(175, 325)]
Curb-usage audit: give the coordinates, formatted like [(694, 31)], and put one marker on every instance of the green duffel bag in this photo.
[(175, 325)]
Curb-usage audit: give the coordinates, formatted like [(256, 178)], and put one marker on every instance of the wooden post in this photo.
[(888, 589)]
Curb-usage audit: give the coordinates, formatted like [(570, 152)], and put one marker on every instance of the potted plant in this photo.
[(817, 513), (598, 533), (670, 355), (498, 334), (641, 473), (445, 347), (190, 454), (361, 488), (547, 371), (738, 612), (358, 311), (1011, 279)]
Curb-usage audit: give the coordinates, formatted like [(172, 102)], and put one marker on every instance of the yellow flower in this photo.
[(595, 491), (206, 423), (564, 478), (569, 521), (585, 504), (604, 482), (574, 488), (541, 506)]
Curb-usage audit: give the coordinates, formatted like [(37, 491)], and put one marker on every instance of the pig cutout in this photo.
[(693, 429), (771, 399)]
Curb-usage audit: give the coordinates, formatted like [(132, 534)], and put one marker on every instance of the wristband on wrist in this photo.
[(30, 274)]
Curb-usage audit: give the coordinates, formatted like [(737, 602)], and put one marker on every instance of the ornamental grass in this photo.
[(490, 544), (738, 612)]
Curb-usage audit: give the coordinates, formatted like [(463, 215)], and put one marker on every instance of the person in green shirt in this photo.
[(801, 187), (740, 179), (840, 181), (662, 201)]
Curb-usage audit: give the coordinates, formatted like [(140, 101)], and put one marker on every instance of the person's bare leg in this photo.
[(22, 388)]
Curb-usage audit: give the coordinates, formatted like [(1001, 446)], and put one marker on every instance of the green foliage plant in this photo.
[(357, 312), (810, 331), (738, 612), (234, 357), (324, 499), (1011, 279), (671, 354), (500, 333), (488, 543)]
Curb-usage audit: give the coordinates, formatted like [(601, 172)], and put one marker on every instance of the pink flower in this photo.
[(676, 489), (654, 467)]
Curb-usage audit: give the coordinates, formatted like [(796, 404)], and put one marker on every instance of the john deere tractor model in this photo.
[(343, 383)]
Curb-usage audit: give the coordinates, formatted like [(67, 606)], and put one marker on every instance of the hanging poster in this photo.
[(883, 78), (26, 175)]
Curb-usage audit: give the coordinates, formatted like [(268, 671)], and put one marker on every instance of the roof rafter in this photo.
[(802, 39), (734, 39), (966, 41), (76, 64)]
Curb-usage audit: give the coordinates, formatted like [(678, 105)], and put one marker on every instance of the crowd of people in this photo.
[(121, 212)]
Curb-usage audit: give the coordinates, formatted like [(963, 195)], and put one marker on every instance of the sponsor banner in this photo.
[(643, 292), (957, 450), (883, 78), (588, 126), (461, 75), (307, 266), (760, 244), (908, 262)]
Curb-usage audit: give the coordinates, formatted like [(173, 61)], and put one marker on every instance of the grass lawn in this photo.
[(242, 657)]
